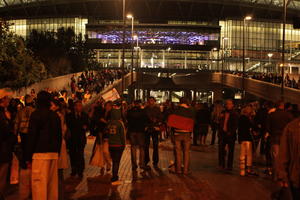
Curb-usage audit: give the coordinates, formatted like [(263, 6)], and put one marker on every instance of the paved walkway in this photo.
[(206, 182)]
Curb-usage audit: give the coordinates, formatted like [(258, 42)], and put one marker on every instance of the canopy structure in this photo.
[(149, 9)]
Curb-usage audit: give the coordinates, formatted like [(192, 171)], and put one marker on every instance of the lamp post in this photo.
[(129, 16), (285, 4), (270, 55), (108, 63), (212, 57), (247, 18), (223, 59), (168, 50), (135, 37), (123, 49)]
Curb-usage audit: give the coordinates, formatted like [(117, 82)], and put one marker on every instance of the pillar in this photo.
[(185, 60), (119, 59)]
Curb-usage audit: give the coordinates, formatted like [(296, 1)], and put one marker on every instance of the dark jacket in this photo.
[(7, 138), (276, 123), (289, 154), (137, 119), (244, 129), (76, 126), (154, 116), (44, 135), (203, 117), (232, 125)]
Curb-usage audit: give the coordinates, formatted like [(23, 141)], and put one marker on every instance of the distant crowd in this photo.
[(274, 78)]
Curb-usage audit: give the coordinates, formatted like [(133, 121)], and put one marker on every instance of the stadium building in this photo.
[(172, 34)]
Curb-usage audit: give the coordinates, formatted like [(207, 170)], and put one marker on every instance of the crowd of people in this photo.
[(90, 82), (274, 78), (36, 128), (49, 130)]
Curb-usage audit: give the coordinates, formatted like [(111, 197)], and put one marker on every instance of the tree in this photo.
[(18, 66), (62, 52)]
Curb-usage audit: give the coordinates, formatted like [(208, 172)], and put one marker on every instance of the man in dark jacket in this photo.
[(228, 128), (276, 123), (43, 148), (7, 140), (152, 130), (137, 120), (289, 158), (78, 125)]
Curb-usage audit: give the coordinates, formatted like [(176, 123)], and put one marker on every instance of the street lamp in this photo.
[(212, 56), (285, 4), (247, 18), (108, 56), (130, 16), (123, 48), (168, 50), (223, 58), (135, 37), (270, 55)]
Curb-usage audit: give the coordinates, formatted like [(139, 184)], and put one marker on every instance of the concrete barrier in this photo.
[(57, 83)]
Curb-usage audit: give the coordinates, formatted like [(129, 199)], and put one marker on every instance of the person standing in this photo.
[(228, 128), (215, 121), (182, 122), (203, 121), (116, 136), (78, 125), (42, 149), (63, 156), (100, 156), (21, 129), (154, 120), (7, 141), (137, 120), (288, 159), (276, 123), (245, 138)]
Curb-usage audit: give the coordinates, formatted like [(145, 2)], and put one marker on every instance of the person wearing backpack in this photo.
[(115, 134)]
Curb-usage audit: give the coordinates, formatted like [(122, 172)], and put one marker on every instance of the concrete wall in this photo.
[(258, 88), (57, 83), (213, 81)]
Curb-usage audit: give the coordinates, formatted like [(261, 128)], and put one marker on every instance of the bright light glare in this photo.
[(248, 18), (129, 16)]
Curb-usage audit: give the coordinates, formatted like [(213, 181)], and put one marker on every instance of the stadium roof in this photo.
[(144, 9)]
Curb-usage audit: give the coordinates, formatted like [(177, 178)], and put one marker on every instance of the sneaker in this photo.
[(242, 173), (116, 183), (252, 173)]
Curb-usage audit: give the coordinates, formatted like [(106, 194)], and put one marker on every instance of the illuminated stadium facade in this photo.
[(199, 34)]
